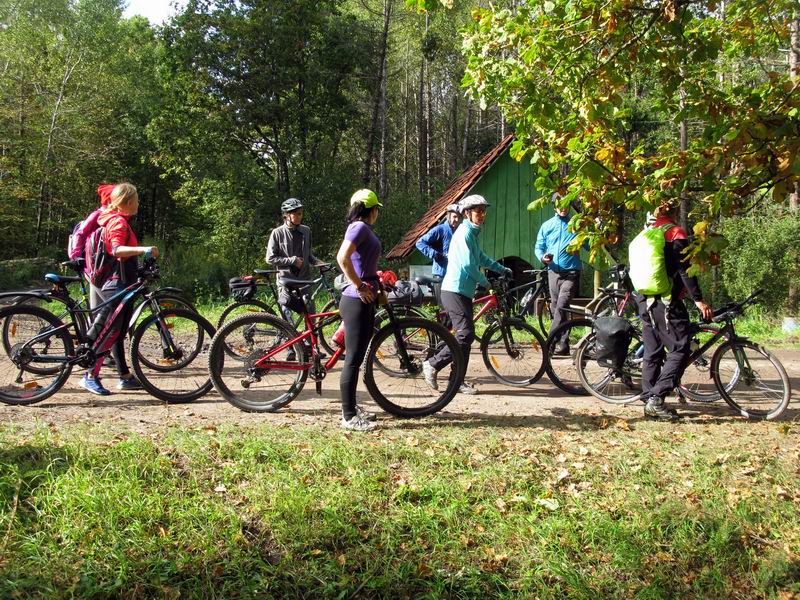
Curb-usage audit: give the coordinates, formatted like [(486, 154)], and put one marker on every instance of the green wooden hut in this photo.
[(510, 229)]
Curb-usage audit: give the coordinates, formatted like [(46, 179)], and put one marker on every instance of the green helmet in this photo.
[(367, 197)]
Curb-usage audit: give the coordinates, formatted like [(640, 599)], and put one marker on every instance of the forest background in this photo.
[(231, 106)]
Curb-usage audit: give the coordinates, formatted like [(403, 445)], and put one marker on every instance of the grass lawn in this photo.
[(610, 508)]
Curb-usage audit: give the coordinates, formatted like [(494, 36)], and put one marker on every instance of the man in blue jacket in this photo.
[(435, 244), (565, 268), (463, 275)]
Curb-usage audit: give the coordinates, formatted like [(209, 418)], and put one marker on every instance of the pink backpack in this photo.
[(77, 240)]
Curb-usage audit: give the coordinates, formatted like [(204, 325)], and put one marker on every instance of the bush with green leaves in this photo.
[(764, 253)]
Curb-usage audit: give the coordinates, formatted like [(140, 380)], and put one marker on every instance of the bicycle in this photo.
[(58, 299), (617, 299), (244, 290), (42, 351), (262, 379), (735, 368)]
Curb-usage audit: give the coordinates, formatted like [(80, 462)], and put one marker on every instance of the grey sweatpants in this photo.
[(563, 288)]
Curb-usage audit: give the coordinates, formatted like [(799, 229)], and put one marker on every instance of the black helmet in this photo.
[(291, 204)]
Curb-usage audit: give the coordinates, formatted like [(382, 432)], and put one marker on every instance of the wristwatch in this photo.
[(361, 285)]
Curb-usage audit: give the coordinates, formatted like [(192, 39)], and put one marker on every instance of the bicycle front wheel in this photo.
[(28, 371), (752, 381), (514, 353), (177, 341), (562, 349), (240, 380), (393, 368), (697, 382), (606, 381)]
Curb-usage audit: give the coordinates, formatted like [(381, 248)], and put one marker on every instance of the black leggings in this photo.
[(359, 325)]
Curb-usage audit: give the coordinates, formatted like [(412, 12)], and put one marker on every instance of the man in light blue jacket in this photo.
[(564, 268), (463, 275)]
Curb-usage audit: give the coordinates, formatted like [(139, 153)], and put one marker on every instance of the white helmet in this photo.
[(453, 208), (472, 201)]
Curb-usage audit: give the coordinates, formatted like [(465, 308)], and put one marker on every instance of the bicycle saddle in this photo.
[(56, 278), (324, 267), (265, 271)]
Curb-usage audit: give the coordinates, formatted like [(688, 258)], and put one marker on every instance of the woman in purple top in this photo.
[(358, 259)]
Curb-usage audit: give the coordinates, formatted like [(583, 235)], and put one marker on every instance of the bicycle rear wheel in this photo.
[(616, 385), (393, 368), (562, 369), (25, 377), (752, 381), (177, 341), (514, 352), (239, 381)]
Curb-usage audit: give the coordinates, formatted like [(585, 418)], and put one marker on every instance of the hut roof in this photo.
[(454, 192)]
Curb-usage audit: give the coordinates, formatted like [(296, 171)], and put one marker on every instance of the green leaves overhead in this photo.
[(570, 74)]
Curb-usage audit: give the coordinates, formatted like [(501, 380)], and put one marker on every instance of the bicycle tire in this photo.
[(562, 371), (602, 376), (198, 382), (19, 392), (411, 383), (746, 378), (532, 370), (222, 380)]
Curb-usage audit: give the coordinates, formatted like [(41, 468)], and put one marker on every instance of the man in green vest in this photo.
[(658, 270)]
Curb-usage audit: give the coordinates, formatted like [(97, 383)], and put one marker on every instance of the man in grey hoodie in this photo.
[(289, 249)]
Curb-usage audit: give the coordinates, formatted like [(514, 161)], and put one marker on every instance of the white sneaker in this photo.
[(357, 423), (468, 389), (365, 414), (430, 375)]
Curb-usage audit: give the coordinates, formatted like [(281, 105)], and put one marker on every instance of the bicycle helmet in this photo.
[(290, 205), (472, 201), (453, 208), (368, 197)]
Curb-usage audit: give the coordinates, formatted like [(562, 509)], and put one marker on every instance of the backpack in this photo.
[(76, 244), (242, 288), (99, 261), (648, 267)]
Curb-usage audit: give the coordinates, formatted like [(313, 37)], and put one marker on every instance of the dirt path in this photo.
[(540, 405)]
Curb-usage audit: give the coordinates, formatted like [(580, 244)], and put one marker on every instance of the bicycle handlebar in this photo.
[(734, 309)]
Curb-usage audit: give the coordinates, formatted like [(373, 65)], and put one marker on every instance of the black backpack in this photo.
[(242, 288), (406, 292)]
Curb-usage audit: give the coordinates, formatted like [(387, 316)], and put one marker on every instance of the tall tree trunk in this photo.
[(422, 136), (372, 134), (430, 139), (452, 154), (383, 185), (793, 298), (465, 138), (684, 134)]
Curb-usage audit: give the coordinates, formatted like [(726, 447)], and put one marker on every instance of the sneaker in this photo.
[(656, 409), (94, 385), (468, 389), (429, 373), (365, 414), (129, 384), (561, 351), (291, 356), (357, 423)]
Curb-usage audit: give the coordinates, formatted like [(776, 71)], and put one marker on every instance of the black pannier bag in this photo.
[(613, 336), (406, 292), (242, 288)]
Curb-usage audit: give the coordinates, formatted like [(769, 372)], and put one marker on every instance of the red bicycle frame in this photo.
[(266, 361)]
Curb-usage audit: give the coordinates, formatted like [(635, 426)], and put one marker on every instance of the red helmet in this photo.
[(387, 278)]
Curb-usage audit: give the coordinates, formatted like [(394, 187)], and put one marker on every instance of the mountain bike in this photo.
[(244, 290), (167, 349), (748, 377), (58, 300), (261, 378)]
